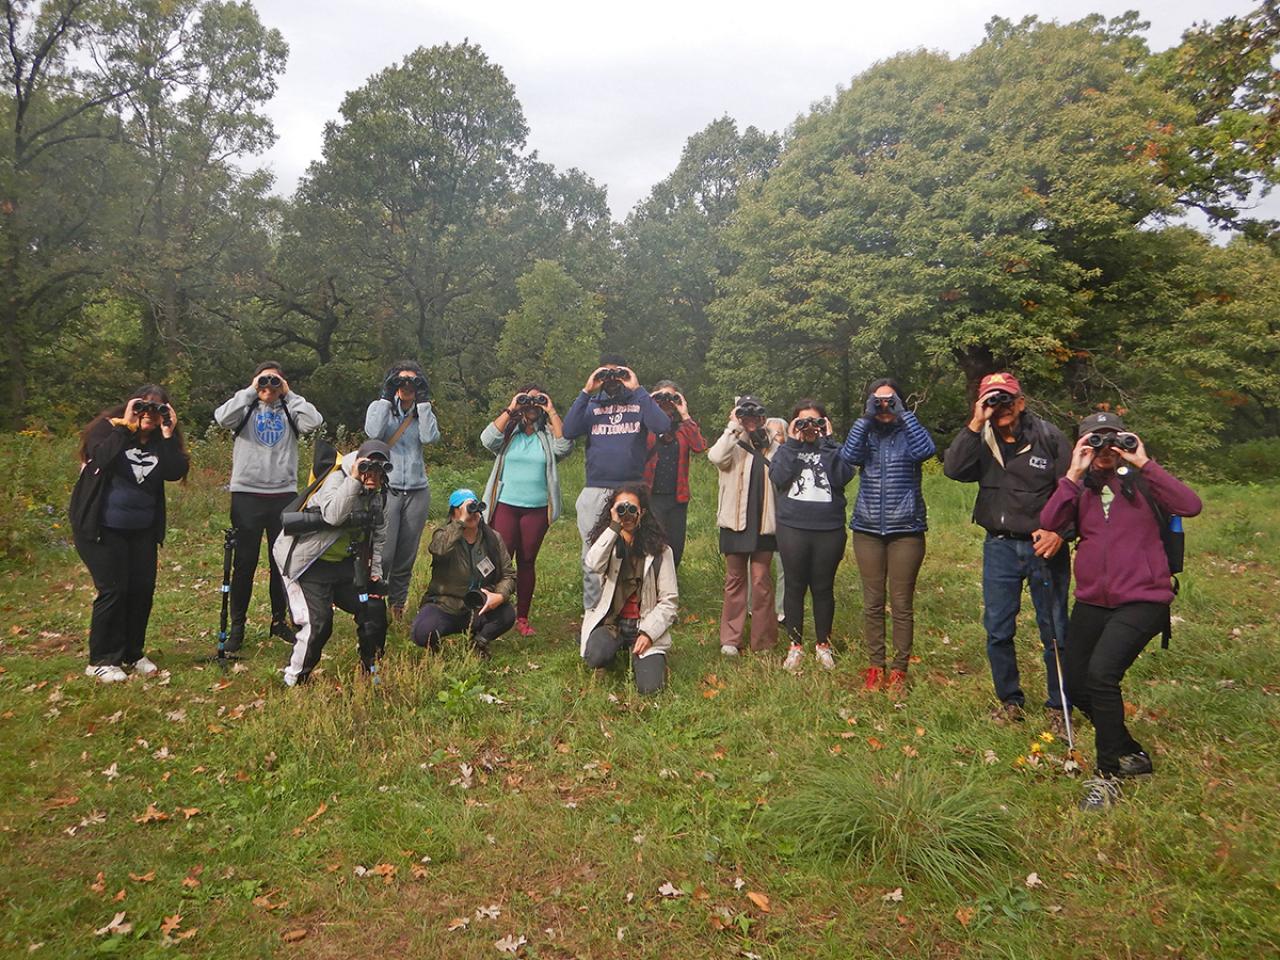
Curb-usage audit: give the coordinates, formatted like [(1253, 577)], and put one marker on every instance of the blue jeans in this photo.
[(1005, 565)]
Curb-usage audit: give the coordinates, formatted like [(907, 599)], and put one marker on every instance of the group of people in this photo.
[(351, 539)]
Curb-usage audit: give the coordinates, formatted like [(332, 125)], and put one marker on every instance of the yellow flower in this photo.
[(1036, 748), (1047, 737)]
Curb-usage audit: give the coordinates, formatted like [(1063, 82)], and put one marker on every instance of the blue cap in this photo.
[(461, 496)]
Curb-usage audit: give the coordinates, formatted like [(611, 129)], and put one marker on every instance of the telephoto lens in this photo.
[(473, 599)]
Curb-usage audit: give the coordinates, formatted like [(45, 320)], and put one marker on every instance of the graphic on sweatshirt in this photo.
[(268, 427), (813, 485), (141, 462), (613, 414)]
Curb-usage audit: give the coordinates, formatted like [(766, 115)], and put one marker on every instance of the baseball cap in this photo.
[(999, 381), (373, 448), (461, 496), (1099, 423)]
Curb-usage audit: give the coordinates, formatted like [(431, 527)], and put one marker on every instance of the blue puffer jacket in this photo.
[(889, 497)]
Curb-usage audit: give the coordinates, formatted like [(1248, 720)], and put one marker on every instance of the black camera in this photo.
[(1000, 398), (605, 374), (531, 400), (475, 506), (812, 423), (750, 410), (1125, 441), (666, 396), (627, 509), (269, 380), (474, 600)]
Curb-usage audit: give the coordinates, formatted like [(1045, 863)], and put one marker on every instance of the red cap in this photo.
[(999, 381)]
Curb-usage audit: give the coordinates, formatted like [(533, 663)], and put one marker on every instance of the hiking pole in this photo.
[(1057, 659), (228, 555)]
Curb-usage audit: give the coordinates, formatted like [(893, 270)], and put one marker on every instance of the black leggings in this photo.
[(123, 566), (253, 514), (809, 562), (1102, 644)]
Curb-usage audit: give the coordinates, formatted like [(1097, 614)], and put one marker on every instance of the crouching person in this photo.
[(638, 603), (472, 578), (330, 554)]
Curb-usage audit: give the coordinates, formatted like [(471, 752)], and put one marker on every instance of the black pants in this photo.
[(325, 585), (809, 562), (253, 514), (434, 622), (674, 517), (606, 641), (123, 566), (1102, 644)]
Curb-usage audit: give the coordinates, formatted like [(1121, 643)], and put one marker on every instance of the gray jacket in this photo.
[(264, 457), (557, 448), (337, 497), (382, 419)]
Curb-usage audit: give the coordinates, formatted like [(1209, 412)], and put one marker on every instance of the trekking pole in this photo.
[(228, 556), (1057, 659)]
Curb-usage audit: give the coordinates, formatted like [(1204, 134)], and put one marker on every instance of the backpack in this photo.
[(1173, 539)]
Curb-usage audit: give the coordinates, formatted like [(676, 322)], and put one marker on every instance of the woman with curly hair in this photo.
[(638, 602)]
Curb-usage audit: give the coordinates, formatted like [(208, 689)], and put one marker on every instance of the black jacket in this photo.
[(105, 442), (1010, 495)]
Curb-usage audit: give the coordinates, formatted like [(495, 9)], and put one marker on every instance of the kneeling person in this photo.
[(332, 556), (472, 577)]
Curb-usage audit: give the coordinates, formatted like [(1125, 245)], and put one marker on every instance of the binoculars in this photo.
[(531, 400), (1125, 441), (812, 423), (269, 380), (750, 410), (1000, 398), (627, 510), (666, 396), (161, 410), (884, 403), (612, 373), (475, 506), (417, 382), (374, 465)]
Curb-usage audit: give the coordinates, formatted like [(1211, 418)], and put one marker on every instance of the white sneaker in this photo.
[(143, 667), (728, 650), (794, 656), (107, 673), (825, 659)]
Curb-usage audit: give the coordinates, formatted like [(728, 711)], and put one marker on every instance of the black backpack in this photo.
[(1173, 539)]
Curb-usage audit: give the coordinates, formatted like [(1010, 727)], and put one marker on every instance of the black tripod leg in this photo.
[(228, 558)]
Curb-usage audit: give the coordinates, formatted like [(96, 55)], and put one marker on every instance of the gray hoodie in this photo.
[(264, 457), (383, 418)]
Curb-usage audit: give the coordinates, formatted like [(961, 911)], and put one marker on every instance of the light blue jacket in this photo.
[(556, 448), (383, 418)]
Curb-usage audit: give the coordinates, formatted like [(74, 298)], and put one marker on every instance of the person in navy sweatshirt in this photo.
[(1123, 586), (616, 415)]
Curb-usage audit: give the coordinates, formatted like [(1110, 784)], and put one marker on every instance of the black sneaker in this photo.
[(1100, 793), (235, 638), (281, 629), (1133, 764)]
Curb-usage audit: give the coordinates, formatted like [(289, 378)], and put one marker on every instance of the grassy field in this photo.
[(463, 808)]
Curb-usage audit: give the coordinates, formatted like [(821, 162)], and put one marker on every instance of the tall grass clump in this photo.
[(917, 824)]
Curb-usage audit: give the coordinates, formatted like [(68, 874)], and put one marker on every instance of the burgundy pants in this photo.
[(522, 530)]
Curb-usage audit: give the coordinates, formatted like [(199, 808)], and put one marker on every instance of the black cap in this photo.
[(1100, 423)]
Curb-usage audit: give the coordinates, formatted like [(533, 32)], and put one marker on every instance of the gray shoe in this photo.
[(728, 650), (1100, 793)]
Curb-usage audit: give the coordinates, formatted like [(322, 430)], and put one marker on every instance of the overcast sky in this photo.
[(615, 89)]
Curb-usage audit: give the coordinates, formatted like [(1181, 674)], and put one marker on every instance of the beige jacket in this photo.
[(659, 593), (734, 465)]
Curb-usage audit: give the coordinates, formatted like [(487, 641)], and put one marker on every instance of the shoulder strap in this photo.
[(248, 415), (284, 408), (1162, 523), (754, 452), (404, 425)]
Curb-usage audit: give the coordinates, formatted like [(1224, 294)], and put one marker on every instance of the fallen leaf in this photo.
[(119, 897), (112, 771), (189, 812), (458, 923), (874, 744), (264, 901), (909, 750), (492, 912), (965, 915), (99, 884), (893, 896), (1033, 880), (738, 883), (670, 890), (143, 877), (760, 900), (151, 815), (419, 871), (293, 936), (117, 926), (510, 943), (171, 924), (57, 803)]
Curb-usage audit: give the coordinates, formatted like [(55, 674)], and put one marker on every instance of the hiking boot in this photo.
[(1100, 793), (728, 650), (896, 683), (794, 656), (142, 667), (825, 658), (524, 628), (1056, 721), (1009, 712), (1133, 764), (106, 673), (235, 638), (872, 679), (279, 628)]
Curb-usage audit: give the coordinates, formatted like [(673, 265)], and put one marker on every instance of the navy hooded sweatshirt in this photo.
[(617, 430)]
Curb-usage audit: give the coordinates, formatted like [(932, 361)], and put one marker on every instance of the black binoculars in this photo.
[(475, 506), (884, 403), (531, 400), (374, 465), (627, 509), (750, 410), (269, 380), (1000, 398), (417, 382), (612, 373), (1125, 441), (666, 396), (812, 423), (474, 600), (151, 406)]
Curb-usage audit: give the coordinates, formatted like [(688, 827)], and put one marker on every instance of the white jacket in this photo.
[(659, 593), (733, 464), (336, 498)]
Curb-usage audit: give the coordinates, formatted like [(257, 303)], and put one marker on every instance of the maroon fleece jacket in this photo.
[(1120, 558)]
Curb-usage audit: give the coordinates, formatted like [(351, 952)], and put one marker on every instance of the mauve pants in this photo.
[(522, 530), (757, 567)]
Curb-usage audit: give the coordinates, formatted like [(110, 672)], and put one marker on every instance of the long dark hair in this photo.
[(146, 391), (649, 535)]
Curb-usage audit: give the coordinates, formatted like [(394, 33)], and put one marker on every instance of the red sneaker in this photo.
[(897, 682), (524, 628), (873, 678)]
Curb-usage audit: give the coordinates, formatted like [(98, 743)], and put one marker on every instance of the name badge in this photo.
[(486, 567)]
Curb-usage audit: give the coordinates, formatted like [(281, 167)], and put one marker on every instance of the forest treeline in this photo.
[(940, 217)]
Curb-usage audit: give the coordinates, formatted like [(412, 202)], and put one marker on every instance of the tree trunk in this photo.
[(975, 362)]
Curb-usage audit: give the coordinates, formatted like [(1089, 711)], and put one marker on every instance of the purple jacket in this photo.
[(1120, 558)]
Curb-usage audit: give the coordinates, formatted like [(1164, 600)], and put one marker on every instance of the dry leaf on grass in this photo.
[(668, 889), (510, 943), (1033, 880), (893, 896), (189, 812), (117, 926), (491, 912), (293, 936), (143, 877), (171, 924), (458, 923), (151, 815), (874, 744), (760, 900), (965, 915)]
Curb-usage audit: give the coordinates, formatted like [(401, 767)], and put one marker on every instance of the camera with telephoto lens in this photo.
[(1125, 441), (474, 600), (812, 423), (302, 522), (626, 509), (531, 400), (666, 396), (269, 380), (605, 374), (475, 506), (1000, 398), (750, 409)]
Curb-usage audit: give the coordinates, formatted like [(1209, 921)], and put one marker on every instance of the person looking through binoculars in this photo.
[(616, 415), (472, 577), (331, 554), (527, 439), (666, 471), (404, 419), (117, 515), (267, 419)]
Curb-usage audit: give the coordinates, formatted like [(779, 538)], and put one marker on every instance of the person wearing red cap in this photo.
[(1016, 459)]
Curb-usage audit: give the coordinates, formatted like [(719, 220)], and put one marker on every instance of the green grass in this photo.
[(571, 802)]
